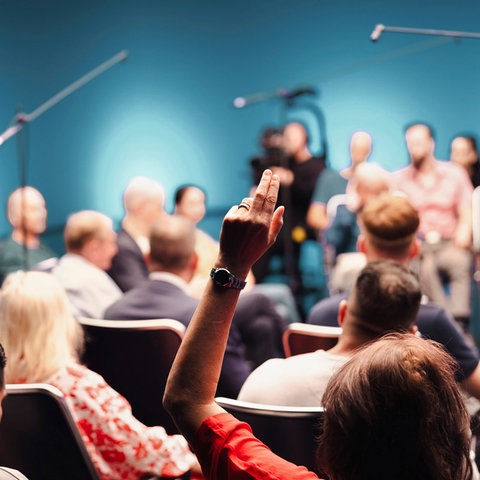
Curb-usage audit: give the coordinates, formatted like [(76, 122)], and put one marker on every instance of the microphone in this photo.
[(290, 94), (377, 31)]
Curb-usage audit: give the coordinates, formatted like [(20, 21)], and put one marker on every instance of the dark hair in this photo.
[(182, 190), (386, 297), (3, 363), (472, 139), (394, 411), (429, 128)]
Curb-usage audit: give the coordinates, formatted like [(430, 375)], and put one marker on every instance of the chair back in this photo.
[(290, 432), (304, 338), (134, 357), (39, 436)]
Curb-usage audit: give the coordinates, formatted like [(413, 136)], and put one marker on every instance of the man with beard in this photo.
[(441, 192)]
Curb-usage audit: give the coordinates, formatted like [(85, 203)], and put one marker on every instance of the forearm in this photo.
[(248, 230), (194, 375)]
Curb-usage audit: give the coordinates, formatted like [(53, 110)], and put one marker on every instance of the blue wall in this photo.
[(167, 111)]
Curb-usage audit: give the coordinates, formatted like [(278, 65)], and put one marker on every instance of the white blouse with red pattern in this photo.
[(120, 446)]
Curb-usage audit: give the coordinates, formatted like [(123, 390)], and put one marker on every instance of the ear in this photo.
[(342, 312), (148, 259), (194, 261), (361, 244), (414, 249), (413, 329)]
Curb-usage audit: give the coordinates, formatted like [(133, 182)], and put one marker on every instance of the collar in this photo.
[(170, 278)]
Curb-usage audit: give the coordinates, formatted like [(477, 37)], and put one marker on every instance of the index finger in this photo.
[(266, 195)]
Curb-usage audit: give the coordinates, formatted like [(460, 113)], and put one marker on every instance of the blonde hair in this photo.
[(37, 328)]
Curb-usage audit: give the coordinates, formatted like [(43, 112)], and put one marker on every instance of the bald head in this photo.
[(140, 190), (26, 210), (370, 181), (360, 147)]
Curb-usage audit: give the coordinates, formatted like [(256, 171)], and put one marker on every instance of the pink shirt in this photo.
[(120, 446), (439, 202)]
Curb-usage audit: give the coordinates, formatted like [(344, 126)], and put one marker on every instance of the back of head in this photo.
[(172, 243), (140, 190), (386, 298), (36, 327), (84, 226), (389, 224), (370, 181), (394, 411)]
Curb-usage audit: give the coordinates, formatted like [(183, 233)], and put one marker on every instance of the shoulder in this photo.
[(325, 312)]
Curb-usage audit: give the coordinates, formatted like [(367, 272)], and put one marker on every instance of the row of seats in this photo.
[(39, 437)]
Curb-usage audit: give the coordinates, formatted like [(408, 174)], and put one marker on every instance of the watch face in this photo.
[(222, 276)]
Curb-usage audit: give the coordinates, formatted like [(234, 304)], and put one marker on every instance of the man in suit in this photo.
[(143, 202), (256, 332)]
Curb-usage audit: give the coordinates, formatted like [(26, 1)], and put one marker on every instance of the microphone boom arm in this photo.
[(21, 118)]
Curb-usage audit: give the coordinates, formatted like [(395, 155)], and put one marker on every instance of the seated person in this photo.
[(42, 339), (369, 181), (23, 249), (6, 473), (385, 299), (397, 384), (257, 328), (143, 202), (389, 225), (90, 243)]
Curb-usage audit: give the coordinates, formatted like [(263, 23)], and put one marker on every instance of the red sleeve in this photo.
[(227, 450)]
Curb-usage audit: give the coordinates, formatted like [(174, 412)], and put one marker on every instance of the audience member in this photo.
[(368, 182), (6, 473), (143, 202), (403, 382), (297, 178), (42, 339), (463, 150), (23, 249), (331, 183), (360, 150), (90, 242), (257, 328), (385, 298), (442, 193), (273, 154), (389, 225)]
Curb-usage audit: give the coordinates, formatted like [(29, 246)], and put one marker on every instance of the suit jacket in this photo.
[(162, 299), (128, 268)]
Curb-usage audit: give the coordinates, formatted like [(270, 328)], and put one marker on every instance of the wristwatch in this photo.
[(223, 277)]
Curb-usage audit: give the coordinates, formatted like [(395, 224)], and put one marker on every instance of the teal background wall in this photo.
[(167, 111)]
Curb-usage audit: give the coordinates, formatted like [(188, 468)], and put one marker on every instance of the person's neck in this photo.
[(426, 166), (373, 256), (345, 346), (303, 155), (26, 238), (185, 274), (134, 227)]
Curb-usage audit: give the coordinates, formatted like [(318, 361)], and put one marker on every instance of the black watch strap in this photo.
[(224, 278)]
